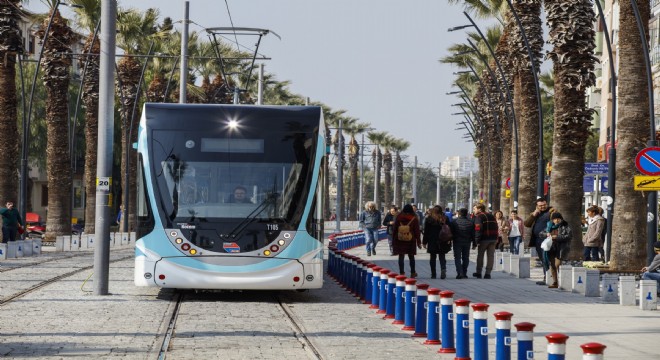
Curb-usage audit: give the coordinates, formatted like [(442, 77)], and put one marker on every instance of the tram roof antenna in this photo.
[(244, 31)]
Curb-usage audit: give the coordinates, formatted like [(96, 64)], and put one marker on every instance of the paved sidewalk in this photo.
[(627, 331)]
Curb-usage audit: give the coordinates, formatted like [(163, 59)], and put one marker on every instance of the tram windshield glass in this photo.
[(205, 177)]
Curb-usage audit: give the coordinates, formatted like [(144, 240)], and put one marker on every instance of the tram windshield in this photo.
[(206, 178)]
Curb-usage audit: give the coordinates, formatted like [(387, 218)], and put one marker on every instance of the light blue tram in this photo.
[(230, 197)]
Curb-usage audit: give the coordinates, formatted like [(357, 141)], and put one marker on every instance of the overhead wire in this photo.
[(231, 21)]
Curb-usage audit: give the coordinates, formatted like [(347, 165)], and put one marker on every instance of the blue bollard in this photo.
[(462, 329), (411, 289), (399, 303), (375, 287), (556, 346), (480, 316), (382, 302), (447, 322), (391, 295), (362, 266), (420, 317), (432, 324), (592, 351), (368, 282), (525, 337), (503, 335)]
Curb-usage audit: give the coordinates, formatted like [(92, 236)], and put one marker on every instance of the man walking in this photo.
[(462, 229), (485, 237), (11, 220), (538, 220)]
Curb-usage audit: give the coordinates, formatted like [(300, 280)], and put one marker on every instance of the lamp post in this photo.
[(340, 175), (652, 203), (514, 120), (611, 169)]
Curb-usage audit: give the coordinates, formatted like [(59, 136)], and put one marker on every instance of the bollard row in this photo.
[(435, 315)]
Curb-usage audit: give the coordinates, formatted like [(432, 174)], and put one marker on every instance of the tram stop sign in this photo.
[(648, 161)]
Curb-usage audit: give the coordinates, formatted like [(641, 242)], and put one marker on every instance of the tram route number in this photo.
[(272, 227), (103, 183)]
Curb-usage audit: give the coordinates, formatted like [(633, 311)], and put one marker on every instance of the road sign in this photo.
[(588, 184), (648, 161), (508, 183), (595, 168), (647, 183), (507, 193)]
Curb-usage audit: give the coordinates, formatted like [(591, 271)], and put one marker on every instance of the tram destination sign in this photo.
[(595, 168)]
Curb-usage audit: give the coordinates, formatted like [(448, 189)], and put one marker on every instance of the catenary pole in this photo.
[(104, 146), (183, 71)]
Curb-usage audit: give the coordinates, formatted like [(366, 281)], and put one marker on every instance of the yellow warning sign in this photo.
[(647, 183), (507, 193)]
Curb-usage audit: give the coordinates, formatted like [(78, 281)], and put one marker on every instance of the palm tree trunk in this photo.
[(91, 101), (572, 117), (10, 45), (353, 187), (387, 177), (507, 139), (629, 224), (377, 156)]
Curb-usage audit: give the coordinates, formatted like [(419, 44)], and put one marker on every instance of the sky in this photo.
[(376, 59)]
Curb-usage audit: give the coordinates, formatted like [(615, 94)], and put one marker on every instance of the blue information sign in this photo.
[(595, 168), (588, 184)]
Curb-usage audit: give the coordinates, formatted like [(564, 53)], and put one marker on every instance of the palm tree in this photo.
[(387, 170), (58, 159), (353, 158), (134, 30), (10, 45), (629, 225), (89, 15), (377, 138), (399, 146), (573, 39)]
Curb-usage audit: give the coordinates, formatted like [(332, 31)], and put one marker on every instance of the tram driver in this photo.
[(239, 196)]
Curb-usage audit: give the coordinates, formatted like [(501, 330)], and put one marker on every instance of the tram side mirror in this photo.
[(135, 146)]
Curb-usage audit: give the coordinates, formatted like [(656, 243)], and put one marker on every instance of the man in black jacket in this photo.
[(462, 230), (485, 237)]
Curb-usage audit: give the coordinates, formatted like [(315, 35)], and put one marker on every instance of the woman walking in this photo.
[(406, 234), (561, 235), (437, 239), (503, 229), (516, 233)]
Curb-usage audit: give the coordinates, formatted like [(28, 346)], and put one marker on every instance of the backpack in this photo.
[(403, 232), (445, 234)]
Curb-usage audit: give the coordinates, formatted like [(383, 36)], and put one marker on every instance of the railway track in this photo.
[(37, 263), (19, 294), (280, 322)]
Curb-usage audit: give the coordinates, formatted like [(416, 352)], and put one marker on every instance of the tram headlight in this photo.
[(179, 240), (281, 242), (193, 251), (267, 252), (173, 233)]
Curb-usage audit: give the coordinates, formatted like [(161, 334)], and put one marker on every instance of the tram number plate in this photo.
[(272, 227)]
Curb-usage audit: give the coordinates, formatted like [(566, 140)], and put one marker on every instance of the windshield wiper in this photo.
[(270, 200)]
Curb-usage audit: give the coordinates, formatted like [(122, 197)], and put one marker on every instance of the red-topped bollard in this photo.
[(375, 287), (556, 346), (447, 322), (462, 329), (420, 318), (399, 303), (432, 325), (592, 351), (411, 289), (525, 337), (503, 335), (382, 302), (480, 317), (391, 295)]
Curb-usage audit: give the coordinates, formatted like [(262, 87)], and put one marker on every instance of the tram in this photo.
[(230, 197)]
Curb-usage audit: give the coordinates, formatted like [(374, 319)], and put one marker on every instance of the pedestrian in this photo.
[(11, 222), (420, 216), (561, 234), (516, 233), (592, 240), (449, 214), (389, 222), (407, 239), (370, 220), (463, 231), (485, 237), (537, 221), (652, 271), (437, 239), (503, 229)]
